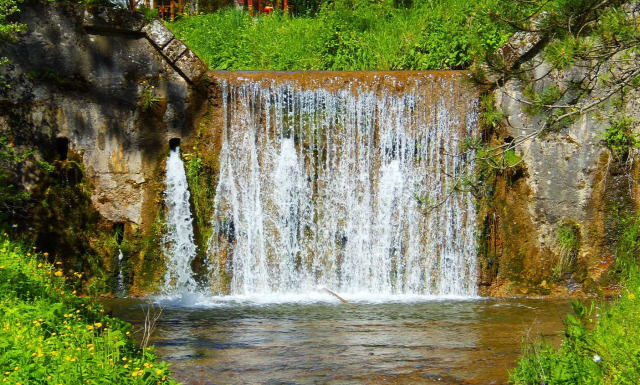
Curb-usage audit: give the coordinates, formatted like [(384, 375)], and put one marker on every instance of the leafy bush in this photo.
[(600, 347), (601, 344), (620, 138), (568, 238), (14, 201), (9, 29), (149, 14), (50, 336)]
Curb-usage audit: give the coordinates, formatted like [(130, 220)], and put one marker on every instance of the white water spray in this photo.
[(178, 242), (320, 187), (120, 291)]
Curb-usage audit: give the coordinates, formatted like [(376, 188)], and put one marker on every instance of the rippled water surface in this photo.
[(398, 342)]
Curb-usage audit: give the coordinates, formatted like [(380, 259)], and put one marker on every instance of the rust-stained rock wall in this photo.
[(568, 178)]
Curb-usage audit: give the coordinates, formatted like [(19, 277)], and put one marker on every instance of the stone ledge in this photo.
[(158, 34), (175, 52), (191, 66), (116, 19)]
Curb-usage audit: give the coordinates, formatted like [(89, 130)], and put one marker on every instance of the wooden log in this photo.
[(336, 295)]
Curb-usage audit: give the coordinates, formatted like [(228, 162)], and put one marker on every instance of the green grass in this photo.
[(347, 35), (602, 343), (48, 335)]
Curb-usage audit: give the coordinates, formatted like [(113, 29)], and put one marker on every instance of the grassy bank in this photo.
[(602, 343), (348, 35), (48, 335)]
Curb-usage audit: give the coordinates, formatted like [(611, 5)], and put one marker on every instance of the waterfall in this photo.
[(178, 241), (120, 290), (323, 182)]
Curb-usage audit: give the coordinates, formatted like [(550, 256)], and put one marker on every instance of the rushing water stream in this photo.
[(178, 243), (446, 342)]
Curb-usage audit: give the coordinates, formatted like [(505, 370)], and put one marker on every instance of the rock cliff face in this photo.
[(568, 185), (111, 91)]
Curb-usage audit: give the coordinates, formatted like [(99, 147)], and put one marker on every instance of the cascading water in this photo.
[(178, 242), (120, 290), (324, 183)]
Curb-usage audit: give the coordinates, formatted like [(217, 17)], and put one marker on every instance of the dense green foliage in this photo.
[(7, 28), (347, 35), (620, 138), (57, 212), (50, 336), (601, 344), (14, 201)]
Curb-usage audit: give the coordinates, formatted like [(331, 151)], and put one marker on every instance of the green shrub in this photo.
[(50, 336), (149, 14), (620, 138), (9, 29), (601, 344), (568, 238)]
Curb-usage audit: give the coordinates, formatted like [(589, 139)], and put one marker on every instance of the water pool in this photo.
[(397, 342)]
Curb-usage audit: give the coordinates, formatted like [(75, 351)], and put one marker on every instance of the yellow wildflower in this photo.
[(631, 296)]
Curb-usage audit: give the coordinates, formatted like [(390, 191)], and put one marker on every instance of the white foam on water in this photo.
[(204, 300), (120, 290)]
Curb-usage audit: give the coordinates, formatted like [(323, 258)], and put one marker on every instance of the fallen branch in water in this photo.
[(336, 295)]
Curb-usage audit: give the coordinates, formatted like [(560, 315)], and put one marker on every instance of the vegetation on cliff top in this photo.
[(50, 336), (347, 35)]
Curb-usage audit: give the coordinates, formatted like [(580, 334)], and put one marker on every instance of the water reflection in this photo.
[(455, 342)]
